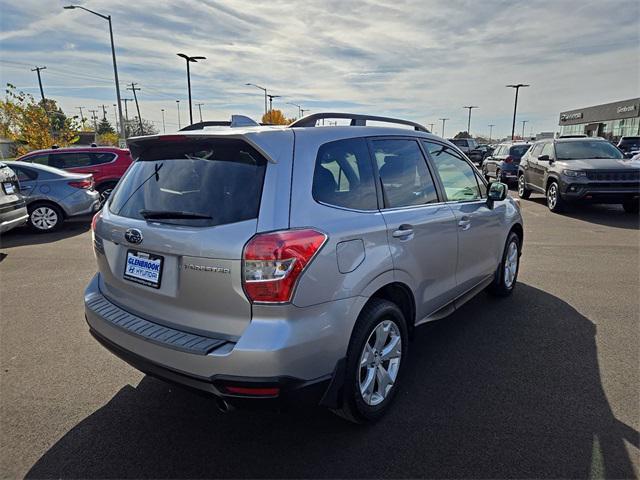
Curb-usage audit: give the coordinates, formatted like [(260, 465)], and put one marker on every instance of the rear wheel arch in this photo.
[(401, 295)]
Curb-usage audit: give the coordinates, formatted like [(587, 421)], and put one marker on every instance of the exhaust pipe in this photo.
[(224, 406)]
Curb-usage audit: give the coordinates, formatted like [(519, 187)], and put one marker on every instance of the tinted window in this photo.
[(585, 149), (220, 180), (40, 159), (404, 174), (547, 149), (69, 160), (459, 142), (98, 158), (24, 174), (343, 175), (457, 176), (518, 151)]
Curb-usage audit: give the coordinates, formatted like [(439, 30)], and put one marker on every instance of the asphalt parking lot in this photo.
[(541, 384)]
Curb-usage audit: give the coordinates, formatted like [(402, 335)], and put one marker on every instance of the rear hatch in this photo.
[(174, 230), (9, 187)]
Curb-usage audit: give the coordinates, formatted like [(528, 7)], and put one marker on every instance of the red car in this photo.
[(106, 164)]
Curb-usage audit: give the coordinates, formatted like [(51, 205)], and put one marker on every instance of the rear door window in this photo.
[(70, 160), (406, 180), (98, 158), (199, 182), (343, 175), (39, 159)]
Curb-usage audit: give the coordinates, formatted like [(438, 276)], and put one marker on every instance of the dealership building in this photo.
[(610, 120)]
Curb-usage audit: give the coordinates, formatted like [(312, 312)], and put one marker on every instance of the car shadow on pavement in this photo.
[(503, 388), (607, 215), (24, 236)]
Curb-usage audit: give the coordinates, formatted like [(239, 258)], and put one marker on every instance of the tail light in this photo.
[(272, 263), (85, 184), (95, 219), (509, 159)]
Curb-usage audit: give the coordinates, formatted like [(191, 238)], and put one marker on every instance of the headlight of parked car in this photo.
[(574, 173)]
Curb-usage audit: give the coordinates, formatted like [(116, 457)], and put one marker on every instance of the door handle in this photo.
[(403, 231), (465, 223)]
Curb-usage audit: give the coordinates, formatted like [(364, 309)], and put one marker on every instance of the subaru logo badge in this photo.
[(133, 235)]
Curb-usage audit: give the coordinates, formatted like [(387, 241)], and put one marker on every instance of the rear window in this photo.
[(459, 142), (193, 182), (518, 151)]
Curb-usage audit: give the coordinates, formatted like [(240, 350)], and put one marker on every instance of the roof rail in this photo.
[(357, 120), (236, 121)]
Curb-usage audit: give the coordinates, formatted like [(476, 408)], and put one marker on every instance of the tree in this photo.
[(276, 117), (29, 125), (108, 138), (133, 127), (105, 127), (462, 135)]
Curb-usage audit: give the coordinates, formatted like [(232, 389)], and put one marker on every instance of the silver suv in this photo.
[(291, 264)]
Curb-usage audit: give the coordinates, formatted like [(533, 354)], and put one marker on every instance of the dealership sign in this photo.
[(626, 108), (570, 116)]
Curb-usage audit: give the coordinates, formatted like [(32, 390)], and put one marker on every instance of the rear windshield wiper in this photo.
[(159, 214)]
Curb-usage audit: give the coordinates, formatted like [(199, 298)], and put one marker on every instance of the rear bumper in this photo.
[(83, 202), (297, 351)]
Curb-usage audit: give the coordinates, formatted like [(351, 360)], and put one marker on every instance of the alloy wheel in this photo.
[(521, 185), (511, 265), (44, 218), (380, 362), (552, 196)]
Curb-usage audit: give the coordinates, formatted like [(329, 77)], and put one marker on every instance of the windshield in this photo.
[(580, 150), (193, 182)]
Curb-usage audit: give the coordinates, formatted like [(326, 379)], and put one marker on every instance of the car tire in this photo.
[(369, 389), (485, 174), (504, 280), (631, 206), (555, 202), (523, 191), (45, 217)]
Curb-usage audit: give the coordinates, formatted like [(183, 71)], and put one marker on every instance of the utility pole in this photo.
[(431, 127), (302, 110), (470, 107), (178, 104), (94, 116), (491, 125), (115, 115), (164, 130), (443, 122), (37, 69), (81, 116), (134, 89), (517, 87), (524, 122), (104, 111), (199, 105)]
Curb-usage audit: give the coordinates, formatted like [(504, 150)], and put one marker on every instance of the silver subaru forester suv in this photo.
[(291, 264)]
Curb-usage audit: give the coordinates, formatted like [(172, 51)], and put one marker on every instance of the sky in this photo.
[(421, 60)]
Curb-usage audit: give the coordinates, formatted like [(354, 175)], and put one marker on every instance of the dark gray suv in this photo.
[(274, 264), (579, 170)]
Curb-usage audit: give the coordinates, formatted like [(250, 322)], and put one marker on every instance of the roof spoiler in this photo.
[(357, 120)]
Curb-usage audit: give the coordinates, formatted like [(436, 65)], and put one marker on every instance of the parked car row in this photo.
[(46, 187)]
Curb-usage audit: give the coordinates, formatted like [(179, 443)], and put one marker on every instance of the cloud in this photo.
[(418, 59)]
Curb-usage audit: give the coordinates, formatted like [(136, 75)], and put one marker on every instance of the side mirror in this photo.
[(496, 193), (544, 158)]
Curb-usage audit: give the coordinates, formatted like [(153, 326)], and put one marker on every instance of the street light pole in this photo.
[(164, 130), (431, 127), (470, 107), (271, 97), (443, 122), (178, 104), (265, 94), (524, 122), (199, 105), (491, 125), (299, 108), (517, 86), (190, 60), (115, 66)]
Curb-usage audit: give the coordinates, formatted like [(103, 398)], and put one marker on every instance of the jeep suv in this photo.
[(579, 170), (291, 264)]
